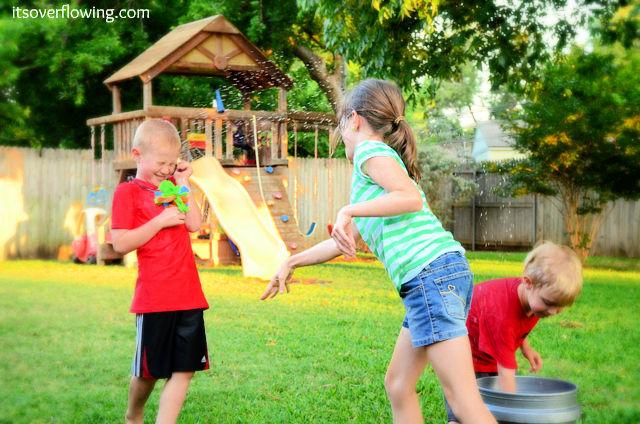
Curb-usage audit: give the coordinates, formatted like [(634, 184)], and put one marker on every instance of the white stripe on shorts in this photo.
[(136, 369)]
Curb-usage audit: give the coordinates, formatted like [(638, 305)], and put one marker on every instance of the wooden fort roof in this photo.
[(210, 46)]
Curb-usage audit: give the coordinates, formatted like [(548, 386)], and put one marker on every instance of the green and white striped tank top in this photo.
[(406, 243)]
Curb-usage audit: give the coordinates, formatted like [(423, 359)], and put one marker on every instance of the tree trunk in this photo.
[(582, 229), (331, 83)]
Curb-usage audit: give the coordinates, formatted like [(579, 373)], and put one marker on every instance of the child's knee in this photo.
[(395, 386)]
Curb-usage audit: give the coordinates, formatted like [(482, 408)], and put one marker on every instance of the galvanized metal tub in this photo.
[(537, 401)]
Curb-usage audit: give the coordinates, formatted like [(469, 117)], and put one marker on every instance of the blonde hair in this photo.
[(556, 267), (380, 102), (153, 131)]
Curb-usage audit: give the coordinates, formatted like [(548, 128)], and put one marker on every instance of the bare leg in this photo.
[(451, 360), (172, 397), (139, 391), (405, 368)]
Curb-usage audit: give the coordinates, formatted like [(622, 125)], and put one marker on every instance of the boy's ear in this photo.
[(135, 153), (528, 282)]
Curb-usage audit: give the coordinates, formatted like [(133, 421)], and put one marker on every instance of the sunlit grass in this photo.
[(317, 354)]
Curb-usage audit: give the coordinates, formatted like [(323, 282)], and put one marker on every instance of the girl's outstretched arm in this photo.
[(321, 252), (401, 197)]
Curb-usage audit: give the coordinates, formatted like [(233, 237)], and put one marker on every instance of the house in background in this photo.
[(491, 143)]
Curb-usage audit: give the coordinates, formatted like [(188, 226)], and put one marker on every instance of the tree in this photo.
[(580, 130), (407, 40), (55, 67), (443, 188)]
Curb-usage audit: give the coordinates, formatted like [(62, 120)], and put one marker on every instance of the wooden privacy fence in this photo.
[(48, 182), (490, 221), (317, 189), (37, 188)]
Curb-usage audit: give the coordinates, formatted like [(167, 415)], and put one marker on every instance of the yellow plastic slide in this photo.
[(251, 228)]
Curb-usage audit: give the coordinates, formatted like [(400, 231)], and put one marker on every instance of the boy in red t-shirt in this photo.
[(168, 299), (504, 311)]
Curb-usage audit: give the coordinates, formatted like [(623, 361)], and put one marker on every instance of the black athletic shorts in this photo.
[(168, 342)]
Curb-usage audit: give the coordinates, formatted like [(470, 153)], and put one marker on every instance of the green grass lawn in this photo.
[(318, 354)]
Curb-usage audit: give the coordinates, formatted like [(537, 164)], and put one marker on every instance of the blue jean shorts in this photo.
[(437, 300)]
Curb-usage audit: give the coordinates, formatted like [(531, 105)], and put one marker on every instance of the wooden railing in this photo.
[(217, 127)]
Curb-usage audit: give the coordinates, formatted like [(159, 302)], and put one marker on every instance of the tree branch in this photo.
[(331, 83)]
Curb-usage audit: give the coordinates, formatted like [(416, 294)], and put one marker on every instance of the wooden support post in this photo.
[(115, 97), (274, 141), (183, 128), (208, 147), (284, 140), (295, 140), (93, 156), (282, 126), (246, 101), (125, 131), (117, 140), (126, 141), (218, 139), (102, 154), (228, 154), (282, 100), (315, 142), (147, 95), (129, 136)]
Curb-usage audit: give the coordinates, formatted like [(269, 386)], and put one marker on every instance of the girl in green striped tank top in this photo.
[(426, 264)]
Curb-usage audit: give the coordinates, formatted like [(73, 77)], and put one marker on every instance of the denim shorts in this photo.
[(437, 300)]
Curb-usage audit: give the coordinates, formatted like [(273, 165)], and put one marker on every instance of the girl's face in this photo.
[(348, 134)]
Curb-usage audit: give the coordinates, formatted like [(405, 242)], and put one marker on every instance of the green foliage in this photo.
[(580, 127), (620, 22), (407, 40), (451, 99), (441, 186), (57, 66), (13, 115), (580, 130), (53, 68)]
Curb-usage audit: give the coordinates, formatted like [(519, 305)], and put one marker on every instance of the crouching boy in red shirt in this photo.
[(504, 311)]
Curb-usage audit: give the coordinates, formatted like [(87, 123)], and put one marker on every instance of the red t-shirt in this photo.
[(167, 276), (497, 324)]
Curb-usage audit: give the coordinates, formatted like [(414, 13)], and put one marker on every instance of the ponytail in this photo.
[(380, 102), (403, 141)]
